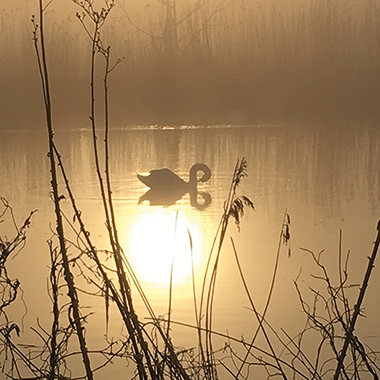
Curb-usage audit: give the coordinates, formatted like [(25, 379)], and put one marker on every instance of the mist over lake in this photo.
[(241, 63), (205, 205)]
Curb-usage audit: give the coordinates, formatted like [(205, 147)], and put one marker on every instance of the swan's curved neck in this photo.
[(195, 169)]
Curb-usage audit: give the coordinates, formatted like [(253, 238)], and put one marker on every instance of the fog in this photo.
[(209, 62)]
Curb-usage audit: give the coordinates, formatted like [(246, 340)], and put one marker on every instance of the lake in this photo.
[(327, 178)]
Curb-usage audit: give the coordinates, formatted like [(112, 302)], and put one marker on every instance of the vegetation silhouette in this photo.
[(330, 317)]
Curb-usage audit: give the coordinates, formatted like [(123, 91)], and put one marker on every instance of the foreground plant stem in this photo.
[(355, 315), (134, 330), (43, 67), (234, 207), (147, 363)]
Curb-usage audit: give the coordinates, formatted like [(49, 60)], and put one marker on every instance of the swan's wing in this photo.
[(160, 179)]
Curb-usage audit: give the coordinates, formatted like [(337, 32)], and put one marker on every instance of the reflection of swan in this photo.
[(194, 199), (159, 198), (198, 199), (165, 179), (167, 187)]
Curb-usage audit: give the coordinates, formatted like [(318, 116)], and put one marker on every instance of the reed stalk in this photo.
[(40, 49), (98, 19), (284, 238), (349, 337), (54, 354), (234, 207)]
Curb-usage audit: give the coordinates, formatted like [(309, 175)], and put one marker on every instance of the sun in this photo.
[(163, 241)]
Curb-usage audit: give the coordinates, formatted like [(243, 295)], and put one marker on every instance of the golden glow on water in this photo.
[(159, 238)]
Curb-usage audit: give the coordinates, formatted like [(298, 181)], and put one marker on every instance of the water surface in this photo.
[(325, 177)]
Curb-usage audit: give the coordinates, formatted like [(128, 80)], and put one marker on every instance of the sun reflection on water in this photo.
[(161, 238)]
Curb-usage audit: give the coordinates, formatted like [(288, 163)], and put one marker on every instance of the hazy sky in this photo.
[(249, 62)]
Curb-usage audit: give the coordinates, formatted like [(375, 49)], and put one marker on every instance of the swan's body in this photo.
[(166, 180)]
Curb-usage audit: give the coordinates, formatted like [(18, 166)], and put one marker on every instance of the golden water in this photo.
[(326, 177)]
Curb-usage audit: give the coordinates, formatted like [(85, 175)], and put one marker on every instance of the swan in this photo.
[(166, 180)]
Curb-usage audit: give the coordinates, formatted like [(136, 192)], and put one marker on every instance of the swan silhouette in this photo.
[(167, 187), (166, 180)]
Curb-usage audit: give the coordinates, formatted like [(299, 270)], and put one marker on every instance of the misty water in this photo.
[(326, 177)]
